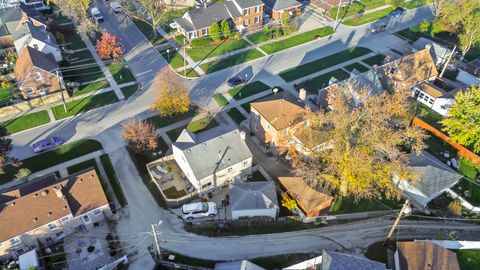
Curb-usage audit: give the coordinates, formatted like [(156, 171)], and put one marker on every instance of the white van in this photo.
[(198, 210), (96, 15)]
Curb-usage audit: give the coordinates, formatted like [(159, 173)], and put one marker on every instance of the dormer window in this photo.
[(391, 70), (38, 76)]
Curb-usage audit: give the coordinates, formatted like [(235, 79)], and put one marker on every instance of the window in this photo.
[(246, 11), (206, 185), (63, 219), (52, 226), (97, 212), (205, 31), (245, 163), (42, 91), (15, 241), (246, 22), (86, 219), (391, 71), (257, 9), (30, 91), (35, 46), (38, 76), (257, 19), (230, 169)]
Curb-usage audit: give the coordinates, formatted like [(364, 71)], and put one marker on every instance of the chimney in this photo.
[(302, 94), (242, 135), (58, 192), (428, 46)]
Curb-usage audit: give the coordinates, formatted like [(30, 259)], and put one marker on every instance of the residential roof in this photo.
[(472, 67), (10, 18), (253, 195), (339, 261), (35, 32), (238, 265), (426, 255), (44, 200), (437, 51), (212, 150), (279, 5), (33, 13), (280, 113), (308, 198), (410, 69), (311, 137), (204, 17), (29, 58), (249, 3), (431, 89)]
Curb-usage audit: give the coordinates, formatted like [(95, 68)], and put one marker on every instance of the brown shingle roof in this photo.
[(311, 137), (426, 255), (32, 208), (307, 198), (280, 113)]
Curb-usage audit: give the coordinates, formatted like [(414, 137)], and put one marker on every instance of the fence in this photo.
[(464, 152), (25, 106)]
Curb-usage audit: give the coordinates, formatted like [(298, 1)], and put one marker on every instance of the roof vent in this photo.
[(65, 207), (44, 193), (35, 219), (35, 195), (92, 176), (12, 204), (49, 213), (80, 180)]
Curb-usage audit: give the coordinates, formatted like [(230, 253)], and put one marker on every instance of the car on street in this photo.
[(377, 27), (47, 144), (96, 15), (396, 13), (236, 81), (192, 211), (116, 7)]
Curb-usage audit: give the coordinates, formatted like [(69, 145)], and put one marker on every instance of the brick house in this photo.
[(275, 8), (47, 209), (35, 73), (242, 14)]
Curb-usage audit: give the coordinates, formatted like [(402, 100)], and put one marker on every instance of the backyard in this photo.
[(297, 40), (342, 205), (84, 104)]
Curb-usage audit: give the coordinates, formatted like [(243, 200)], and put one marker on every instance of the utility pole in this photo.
[(157, 243), (338, 13), (448, 61), (60, 82), (184, 57), (405, 206)]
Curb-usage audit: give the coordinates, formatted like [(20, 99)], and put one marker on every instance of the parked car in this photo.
[(377, 27), (396, 13), (116, 7), (96, 15), (47, 144), (199, 210), (236, 81)]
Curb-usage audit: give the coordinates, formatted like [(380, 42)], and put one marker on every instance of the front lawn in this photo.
[(259, 37), (120, 72), (72, 73), (323, 63), (359, 67), (297, 40), (350, 10), (200, 53), (236, 115), (173, 58), (84, 104), (247, 90), (91, 87), (162, 121), (345, 205), (113, 179), (374, 60), (313, 85), (27, 121), (148, 32), (468, 259), (220, 99), (369, 17), (416, 3), (129, 90), (231, 61), (73, 39)]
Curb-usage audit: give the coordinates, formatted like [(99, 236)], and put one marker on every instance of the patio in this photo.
[(169, 178)]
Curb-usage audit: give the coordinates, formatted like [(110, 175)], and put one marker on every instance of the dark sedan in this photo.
[(236, 81), (47, 144)]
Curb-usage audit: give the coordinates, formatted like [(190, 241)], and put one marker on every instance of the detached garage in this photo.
[(253, 199)]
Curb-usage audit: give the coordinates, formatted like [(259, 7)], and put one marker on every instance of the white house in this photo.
[(38, 38), (439, 52), (212, 158), (469, 73), (253, 199), (434, 97)]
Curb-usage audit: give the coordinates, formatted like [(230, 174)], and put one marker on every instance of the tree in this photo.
[(215, 32), (109, 47), (172, 94), (151, 12), (463, 16), (141, 135), (226, 31), (463, 120), (22, 174), (5, 148), (369, 144), (455, 208)]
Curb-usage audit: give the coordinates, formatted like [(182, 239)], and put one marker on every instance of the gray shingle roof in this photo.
[(234, 12), (438, 51), (185, 24), (249, 3), (339, 261), (279, 5), (35, 32), (204, 17), (33, 13), (212, 150), (253, 195), (238, 265), (10, 17), (42, 60)]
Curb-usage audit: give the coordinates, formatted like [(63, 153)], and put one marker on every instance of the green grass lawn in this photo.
[(246, 107), (313, 85), (357, 66), (81, 75), (428, 115), (348, 11), (84, 104), (343, 205), (72, 37), (473, 191), (258, 37), (91, 87), (323, 63), (220, 99), (129, 90), (202, 125), (374, 60), (236, 115), (468, 259), (82, 166), (120, 72), (113, 179), (173, 193), (296, 40), (247, 90), (191, 73), (162, 121), (415, 3), (201, 53), (231, 61), (6, 95), (468, 169), (49, 159), (27, 121), (370, 17), (172, 57), (148, 32)]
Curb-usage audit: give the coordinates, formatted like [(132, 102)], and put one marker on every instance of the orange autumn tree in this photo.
[(172, 94), (109, 47), (141, 135)]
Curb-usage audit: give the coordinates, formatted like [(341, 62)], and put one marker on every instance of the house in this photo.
[(424, 255), (407, 71), (13, 18), (213, 158), (311, 202), (434, 178), (275, 8), (32, 4), (440, 53), (238, 265), (253, 199), (272, 118), (469, 73), (243, 14), (38, 38), (47, 209), (36, 73), (434, 97)]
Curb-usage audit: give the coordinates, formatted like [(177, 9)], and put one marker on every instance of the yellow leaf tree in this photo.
[(172, 95)]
